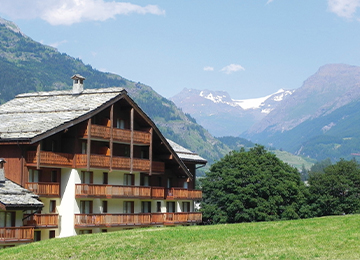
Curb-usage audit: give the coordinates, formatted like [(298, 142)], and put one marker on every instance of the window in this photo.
[(129, 179), (185, 185), (84, 147), (127, 151), (33, 175), (158, 206), (169, 183), (144, 180), (186, 206), (105, 178), (170, 206), (86, 206), (85, 231), (146, 207), (86, 177), (51, 234), (37, 235), (52, 208), (120, 123), (104, 206), (128, 207), (103, 230), (7, 219), (53, 176)]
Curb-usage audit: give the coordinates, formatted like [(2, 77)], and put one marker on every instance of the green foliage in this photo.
[(335, 189), (252, 185)]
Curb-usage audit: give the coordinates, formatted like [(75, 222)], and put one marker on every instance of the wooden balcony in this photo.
[(180, 193), (119, 135), (50, 159), (96, 161), (143, 219), (120, 163), (157, 193), (112, 220), (42, 220), (46, 189), (16, 234), (112, 191)]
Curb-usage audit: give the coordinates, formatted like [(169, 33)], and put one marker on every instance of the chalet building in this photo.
[(96, 162)]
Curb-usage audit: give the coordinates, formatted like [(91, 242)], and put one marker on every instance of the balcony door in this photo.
[(129, 179), (34, 175), (170, 206), (86, 207), (86, 177), (7, 219), (128, 207)]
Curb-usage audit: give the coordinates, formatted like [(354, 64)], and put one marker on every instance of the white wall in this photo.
[(68, 206)]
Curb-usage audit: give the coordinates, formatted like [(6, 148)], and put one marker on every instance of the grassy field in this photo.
[(294, 160), (319, 238)]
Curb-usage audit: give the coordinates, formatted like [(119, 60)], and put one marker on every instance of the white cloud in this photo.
[(232, 68), (269, 1), (208, 68), (344, 8), (67, 12)]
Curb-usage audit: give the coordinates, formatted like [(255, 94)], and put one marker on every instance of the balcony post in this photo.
[(38, 156), (150, 150), (88, 150), (132, 139), (111, 135)]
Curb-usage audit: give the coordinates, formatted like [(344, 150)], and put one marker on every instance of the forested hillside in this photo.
[(28, 66)]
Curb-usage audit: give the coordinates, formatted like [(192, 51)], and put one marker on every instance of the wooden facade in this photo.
[(114, 161)]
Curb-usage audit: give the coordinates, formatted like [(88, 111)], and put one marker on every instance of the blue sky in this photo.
[(249, 48)]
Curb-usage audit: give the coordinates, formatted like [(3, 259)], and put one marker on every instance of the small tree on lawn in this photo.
[(252, 185), (335, 189)]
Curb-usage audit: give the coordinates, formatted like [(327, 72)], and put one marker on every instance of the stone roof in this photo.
[(15, 196), (31, 114), (185, 154)]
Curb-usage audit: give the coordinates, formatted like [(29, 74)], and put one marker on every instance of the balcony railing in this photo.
[(143, 219), (180, 193), (121, 163), (157, 193), (112, 191), (121, 191), (50, 158), (97, 161), (16, 234), (120, 135), (50, 189), (42, 220)]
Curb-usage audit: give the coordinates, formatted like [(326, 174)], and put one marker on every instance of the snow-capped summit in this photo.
[(215, 109)]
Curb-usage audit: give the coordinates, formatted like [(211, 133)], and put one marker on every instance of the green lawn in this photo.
[(319, 238)]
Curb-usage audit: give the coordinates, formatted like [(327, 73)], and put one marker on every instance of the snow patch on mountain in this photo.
[(262, 103)]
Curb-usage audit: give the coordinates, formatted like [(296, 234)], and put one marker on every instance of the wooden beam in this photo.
[(38, 156), (111, 135), (151, 150), (132, 139), (88, 146)]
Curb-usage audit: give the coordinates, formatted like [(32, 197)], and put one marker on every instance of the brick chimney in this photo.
[(78, 84), (2, 170)]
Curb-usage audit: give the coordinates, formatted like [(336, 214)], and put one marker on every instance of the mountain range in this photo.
[(223, 116), (320, 119)]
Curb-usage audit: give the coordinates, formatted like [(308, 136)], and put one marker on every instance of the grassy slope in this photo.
[(294, 160), (319, 238)]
